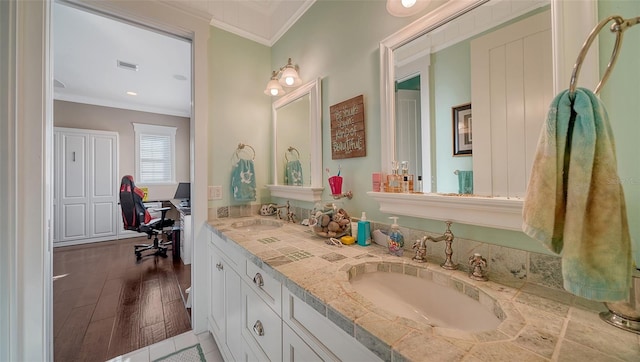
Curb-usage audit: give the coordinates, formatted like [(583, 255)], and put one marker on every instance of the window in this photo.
[(154, 154)]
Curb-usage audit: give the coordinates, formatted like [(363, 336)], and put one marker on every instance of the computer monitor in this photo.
[(183, 192)]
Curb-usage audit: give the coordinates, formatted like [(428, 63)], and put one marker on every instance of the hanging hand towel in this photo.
[(243, 181), (575, 204), (293, 173), (465, 182)]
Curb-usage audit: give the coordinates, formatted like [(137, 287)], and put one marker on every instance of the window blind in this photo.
[(155, 158)]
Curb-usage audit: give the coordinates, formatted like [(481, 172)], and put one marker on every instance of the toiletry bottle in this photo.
[(419, 185), (394, 181), (395, 240), (405, 173), (364, 231), (405, 184)]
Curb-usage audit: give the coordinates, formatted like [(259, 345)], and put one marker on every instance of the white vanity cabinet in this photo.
[(225, 303), (295, 349), (253, 317), (261, 325), (325, 338)]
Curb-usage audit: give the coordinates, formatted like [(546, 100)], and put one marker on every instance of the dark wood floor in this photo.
[(106, 304)]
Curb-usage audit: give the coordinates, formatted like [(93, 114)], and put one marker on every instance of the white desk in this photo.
[(185, 231)]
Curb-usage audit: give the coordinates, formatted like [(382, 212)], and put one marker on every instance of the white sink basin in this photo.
[(424, 301), (255, 225)]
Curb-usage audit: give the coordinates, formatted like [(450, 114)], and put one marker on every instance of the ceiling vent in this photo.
[(127, 65), (58, 84)]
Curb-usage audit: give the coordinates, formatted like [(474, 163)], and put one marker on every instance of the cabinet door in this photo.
[(233, 304), (216, 294), (295, 349)]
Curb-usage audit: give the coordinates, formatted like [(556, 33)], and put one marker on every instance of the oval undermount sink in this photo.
[(252, 225), (424, 301)]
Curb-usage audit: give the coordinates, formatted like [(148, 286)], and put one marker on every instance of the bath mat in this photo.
[(189, 354)]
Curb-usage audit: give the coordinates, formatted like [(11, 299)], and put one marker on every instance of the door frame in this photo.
[(26, 211)]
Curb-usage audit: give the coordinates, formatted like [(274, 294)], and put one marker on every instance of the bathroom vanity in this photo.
[(278, 292)]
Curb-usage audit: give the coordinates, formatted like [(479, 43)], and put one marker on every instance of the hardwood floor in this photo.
[(106, 304)]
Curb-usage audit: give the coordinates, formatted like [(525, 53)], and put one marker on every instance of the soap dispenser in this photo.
[(395, 240), (364, 231)]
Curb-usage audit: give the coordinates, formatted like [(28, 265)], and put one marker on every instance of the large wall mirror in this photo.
[(465, 91), (297, 144)]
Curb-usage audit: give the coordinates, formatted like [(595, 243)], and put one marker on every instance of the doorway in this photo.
[(101, 290)]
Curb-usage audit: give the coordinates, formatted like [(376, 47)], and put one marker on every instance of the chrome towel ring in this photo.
[(619, 26)]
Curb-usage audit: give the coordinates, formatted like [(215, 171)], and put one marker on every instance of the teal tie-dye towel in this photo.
[(575, 204), (293, 173), (243, 181)]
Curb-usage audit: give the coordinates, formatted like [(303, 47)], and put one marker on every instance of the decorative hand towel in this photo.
[(243, 181), (293, 173), (575, 204), (465, 182)]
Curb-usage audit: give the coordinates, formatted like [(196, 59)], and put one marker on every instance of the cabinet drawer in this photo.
[(264, 285), (261, 324), (327, 339)]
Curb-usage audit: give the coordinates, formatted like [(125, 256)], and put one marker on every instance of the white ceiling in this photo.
[(87, 47)]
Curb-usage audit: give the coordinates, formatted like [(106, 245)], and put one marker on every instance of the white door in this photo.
[(516, 62), (74, 201), (408, 130), (104, 187), (86, 186)]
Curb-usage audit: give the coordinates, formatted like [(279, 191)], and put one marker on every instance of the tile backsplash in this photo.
[(505, 265)]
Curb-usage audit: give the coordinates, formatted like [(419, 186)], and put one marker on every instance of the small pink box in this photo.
[(376, 177)]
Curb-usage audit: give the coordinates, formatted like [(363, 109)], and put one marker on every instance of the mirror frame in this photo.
[(568, 33), (312, 193)]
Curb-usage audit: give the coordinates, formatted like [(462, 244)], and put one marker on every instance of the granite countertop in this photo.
[(537, 323)]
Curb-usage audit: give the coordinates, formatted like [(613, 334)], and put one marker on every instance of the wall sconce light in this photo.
[(403, 8), (286, 76)]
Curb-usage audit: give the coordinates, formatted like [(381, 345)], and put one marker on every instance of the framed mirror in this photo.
[(297, 144), (440, 95)]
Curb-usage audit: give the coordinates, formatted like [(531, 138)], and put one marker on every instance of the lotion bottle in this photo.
[(364, 231), (395, 240)]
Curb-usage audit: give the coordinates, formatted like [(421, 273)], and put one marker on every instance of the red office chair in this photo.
[(136, 217)]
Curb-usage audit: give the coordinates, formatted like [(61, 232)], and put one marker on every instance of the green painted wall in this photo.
[(338, 41), (451, 87), (621, 96), (239, 112)]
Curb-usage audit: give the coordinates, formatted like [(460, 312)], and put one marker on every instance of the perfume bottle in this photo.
[(394, 181), (405, 184), (405, 173)]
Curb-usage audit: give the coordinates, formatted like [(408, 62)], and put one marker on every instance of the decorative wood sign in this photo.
[(347, 129)]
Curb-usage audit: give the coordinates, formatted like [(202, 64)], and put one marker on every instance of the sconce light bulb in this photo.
[(408, 3), (289, 80), (274, 92)]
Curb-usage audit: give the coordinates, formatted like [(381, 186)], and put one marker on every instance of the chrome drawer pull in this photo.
[(219, 266), (257, 280), (258, 328)]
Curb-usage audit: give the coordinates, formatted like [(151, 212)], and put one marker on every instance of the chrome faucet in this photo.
[(448, 238)]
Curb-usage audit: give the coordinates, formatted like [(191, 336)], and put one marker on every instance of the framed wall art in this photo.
[(462, 130)]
